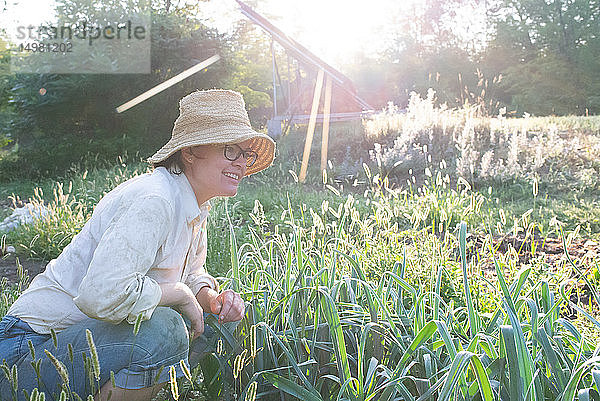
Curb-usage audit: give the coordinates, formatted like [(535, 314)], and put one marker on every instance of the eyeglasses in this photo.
[(233, 152)]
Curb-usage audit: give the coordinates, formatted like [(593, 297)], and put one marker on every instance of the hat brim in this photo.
[(261, 143)]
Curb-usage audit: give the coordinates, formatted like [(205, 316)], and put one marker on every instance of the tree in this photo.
[(7, 112), (249, 64), (63, 117), (430, 52), (552, 54)]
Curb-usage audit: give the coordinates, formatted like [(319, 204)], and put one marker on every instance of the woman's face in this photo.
[(211, 174)]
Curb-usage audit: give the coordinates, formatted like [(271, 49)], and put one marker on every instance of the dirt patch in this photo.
[(8, 268), (7, 203), (551, 249), (584, 253)]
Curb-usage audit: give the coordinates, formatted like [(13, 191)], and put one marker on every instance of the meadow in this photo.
[(443, 255)]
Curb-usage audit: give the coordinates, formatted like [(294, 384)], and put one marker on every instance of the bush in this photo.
[(483, 148), (73, 119), (54, 157)]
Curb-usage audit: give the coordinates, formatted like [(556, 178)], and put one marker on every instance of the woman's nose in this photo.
[(241, 163)]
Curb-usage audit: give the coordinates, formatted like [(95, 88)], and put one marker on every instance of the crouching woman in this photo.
[(140, 257)]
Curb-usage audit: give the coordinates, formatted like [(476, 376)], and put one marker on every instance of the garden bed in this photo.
[(8, 268)]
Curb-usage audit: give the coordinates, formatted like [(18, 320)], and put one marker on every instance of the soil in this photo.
[(551, 249), (7, 203), (8, 268), (584, 253)]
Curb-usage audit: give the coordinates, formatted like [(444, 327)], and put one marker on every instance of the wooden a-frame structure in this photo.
[(341, 102)]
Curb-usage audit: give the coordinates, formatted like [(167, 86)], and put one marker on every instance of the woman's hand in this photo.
[(228, 305), (179, 296)]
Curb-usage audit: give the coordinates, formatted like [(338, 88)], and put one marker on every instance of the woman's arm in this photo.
[(228, 305), (115, 286), (179, 296)]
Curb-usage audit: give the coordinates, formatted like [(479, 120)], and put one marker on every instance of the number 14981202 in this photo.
[(42, 47)]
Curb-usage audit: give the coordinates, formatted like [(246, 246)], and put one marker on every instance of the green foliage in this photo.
[(248, 59), (548, 49), (358, 296), (536, 57), (323, 330), (51, 157), (74, 117), (68, 209), (9, 292), (7, 112), (547, 86)]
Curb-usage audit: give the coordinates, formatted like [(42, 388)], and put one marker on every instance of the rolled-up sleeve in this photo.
[(115, 287), (198, 277)]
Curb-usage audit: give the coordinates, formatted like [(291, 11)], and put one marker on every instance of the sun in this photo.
[(340, 30), (335, 30)]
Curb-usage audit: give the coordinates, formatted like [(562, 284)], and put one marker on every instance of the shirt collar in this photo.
[(193, 213)]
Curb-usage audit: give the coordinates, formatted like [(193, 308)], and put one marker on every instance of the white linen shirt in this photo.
[(148, 230)]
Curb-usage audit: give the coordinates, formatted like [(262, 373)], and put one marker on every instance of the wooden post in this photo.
[(274, 80), (326, 114), (312, 122), (289, 83)]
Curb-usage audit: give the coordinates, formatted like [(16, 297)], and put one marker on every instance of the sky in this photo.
[(25, 12), (338, 30), (335, 30)]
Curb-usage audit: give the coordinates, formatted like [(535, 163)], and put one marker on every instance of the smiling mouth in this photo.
[(232, 175)]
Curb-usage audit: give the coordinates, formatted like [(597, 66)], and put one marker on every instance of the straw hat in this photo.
[(216, 116)]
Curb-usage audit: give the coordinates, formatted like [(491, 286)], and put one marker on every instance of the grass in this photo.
[(327, 331), (11, 291), (377, 296), (69, 203), (373, 288)]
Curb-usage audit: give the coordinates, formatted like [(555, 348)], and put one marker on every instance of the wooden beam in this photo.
[(274, 80), (333, 117), (326, 114), (311, 125), (168, 83)]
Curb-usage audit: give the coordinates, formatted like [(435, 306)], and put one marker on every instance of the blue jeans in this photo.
[(137, 361)]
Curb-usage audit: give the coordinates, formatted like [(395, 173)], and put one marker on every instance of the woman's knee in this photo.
[(166, 329)]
